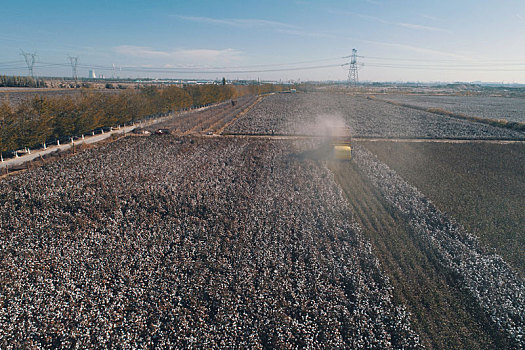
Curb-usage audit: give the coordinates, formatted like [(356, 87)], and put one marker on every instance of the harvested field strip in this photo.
[(481, 185), (507, 107), (219, 118), (443, 315), (497, 289), (221, 130), (513, 125), (195, 120), (208, 120), (216, 126), (185, 121)]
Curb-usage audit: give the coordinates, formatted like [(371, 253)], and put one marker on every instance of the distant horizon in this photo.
[(342, 81)]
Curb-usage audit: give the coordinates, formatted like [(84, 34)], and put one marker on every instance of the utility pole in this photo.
[(353, 76), (30, 59), (74, 64)]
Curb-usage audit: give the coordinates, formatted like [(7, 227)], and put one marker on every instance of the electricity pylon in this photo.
[(30, 59), (353, 75), (74, 64)]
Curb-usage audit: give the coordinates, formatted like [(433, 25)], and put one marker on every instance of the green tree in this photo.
[(6, 120)]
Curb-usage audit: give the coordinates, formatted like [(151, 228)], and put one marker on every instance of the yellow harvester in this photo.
[(341, 143)]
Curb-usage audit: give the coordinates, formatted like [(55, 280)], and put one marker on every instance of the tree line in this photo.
[(16, 81), (43, 119)]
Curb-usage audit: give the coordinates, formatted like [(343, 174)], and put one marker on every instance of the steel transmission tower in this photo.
[(115, 68), (30, 59), (74, 64), (353, 75)]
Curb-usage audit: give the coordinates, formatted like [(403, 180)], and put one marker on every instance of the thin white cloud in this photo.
[(238, 22), (399, 24), (279, 27), (408, 25), (198, 55), (418, 49), (429, 17), (421, 27), (520, 17), (140, 51), (299, 32), (208, 54)]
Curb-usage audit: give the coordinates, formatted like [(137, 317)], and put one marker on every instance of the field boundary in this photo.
[(494, 141), (278, 136)]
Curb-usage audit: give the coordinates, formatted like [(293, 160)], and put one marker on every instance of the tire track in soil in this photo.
[(221, 116), (240, 115), (221, 124), (443, 315)]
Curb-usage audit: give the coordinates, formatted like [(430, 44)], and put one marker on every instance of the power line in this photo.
[(235, 71), (451, 68), (197, 70), (392, 63), (487, 61), (213, 69), (453, 65), (284, 64), (13, 68), (11, 62)]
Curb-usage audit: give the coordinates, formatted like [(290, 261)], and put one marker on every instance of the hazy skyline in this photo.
[(399, 40)]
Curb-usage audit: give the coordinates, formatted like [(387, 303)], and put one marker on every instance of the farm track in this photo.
[(211, 120), (372, 139), (224, 126), (443, 315), (216, 120)]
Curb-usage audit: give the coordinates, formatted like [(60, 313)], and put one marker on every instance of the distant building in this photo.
[(92, 74)]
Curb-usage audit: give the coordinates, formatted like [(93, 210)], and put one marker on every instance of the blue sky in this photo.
[(398, 40)]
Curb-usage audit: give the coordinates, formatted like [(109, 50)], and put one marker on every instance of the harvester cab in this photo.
[(341, 143)]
